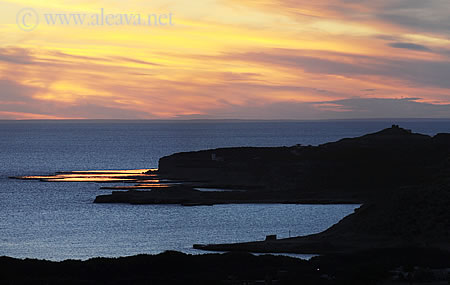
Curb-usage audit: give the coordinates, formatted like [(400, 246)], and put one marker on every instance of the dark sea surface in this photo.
[(59, 221)]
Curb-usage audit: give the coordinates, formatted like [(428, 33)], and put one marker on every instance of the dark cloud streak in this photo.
[(410, 46), (416, 71)]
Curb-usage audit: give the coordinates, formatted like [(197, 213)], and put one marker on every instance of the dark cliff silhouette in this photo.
[(350, 168)]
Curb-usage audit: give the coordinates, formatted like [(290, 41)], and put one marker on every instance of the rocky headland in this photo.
[(355, 170), (409, 217)]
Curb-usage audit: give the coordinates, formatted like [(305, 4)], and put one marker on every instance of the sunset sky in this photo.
[(253, 59)]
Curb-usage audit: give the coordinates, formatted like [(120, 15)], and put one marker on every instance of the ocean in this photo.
[(59, 221)]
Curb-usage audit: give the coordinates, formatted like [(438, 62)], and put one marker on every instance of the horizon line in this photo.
[(221, 120)]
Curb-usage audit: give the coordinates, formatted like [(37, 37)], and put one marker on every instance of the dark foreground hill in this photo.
[(369, 267)]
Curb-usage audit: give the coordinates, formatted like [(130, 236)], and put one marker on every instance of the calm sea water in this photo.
[(59, 221)]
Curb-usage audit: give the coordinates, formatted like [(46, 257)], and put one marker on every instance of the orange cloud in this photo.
[(223, 59)]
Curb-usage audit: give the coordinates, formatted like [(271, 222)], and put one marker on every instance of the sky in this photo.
[(225, 59)]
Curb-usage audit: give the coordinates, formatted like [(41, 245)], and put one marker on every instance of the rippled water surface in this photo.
[(59, 221)]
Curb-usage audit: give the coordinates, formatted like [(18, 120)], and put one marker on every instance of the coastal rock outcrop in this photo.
[(415, 216), (352, 170), (357, 168)]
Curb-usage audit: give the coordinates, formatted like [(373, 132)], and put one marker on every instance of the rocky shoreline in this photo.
[(188, 196), (347, 171)]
